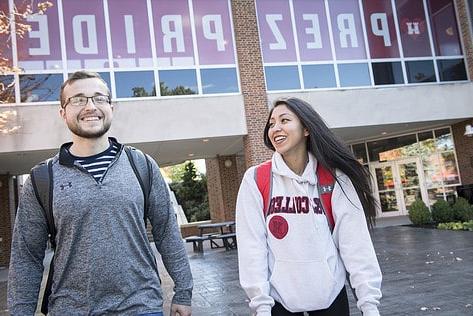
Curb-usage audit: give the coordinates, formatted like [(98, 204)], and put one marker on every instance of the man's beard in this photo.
[(77, 130)]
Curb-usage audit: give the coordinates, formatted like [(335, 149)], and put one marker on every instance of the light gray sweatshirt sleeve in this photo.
[(27, 253), (168, 239)]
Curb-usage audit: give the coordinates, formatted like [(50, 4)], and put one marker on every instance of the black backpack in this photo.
[(42, 181)]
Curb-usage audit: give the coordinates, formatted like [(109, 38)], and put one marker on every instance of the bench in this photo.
[(228, 239), (197, 242)]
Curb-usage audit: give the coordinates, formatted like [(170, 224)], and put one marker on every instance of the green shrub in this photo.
[(457, 225), (442, 212), (462, 210), (419, 213)]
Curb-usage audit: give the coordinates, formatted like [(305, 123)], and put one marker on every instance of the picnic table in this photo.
[(213, 232)]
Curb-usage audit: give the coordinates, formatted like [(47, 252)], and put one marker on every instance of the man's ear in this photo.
[(62, 113)]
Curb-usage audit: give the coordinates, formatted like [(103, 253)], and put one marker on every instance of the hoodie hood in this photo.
[(280, 167)]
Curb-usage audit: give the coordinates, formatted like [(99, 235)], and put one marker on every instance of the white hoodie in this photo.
[(290, 256)]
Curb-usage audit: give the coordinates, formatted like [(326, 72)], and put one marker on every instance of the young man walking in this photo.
[(103, 262)]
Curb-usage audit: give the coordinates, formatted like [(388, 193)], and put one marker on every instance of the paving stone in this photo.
[(422, 268)]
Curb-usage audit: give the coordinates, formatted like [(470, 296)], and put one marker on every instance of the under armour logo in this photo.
[(63, 186), (326, 188)]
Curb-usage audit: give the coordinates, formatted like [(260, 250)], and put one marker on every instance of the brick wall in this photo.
[(464, 150), (465, 30), (253, 87), (5, 226), (214, 189)]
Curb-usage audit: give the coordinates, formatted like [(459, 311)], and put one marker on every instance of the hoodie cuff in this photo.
[(369, 310), (264, 310)]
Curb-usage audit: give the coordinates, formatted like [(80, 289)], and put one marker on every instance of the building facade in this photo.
[(392, 78)]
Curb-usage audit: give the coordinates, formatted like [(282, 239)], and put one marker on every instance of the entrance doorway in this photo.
[(397, 184)]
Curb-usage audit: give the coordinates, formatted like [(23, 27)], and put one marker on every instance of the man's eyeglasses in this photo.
[(80, 101)]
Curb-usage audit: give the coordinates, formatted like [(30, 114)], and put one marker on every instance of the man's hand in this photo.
[(180, 310)]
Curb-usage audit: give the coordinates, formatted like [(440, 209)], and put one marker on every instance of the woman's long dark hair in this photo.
[(329, 151)]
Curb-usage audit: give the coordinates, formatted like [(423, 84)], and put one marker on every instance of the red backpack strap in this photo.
[(263, 181), (325, 184)]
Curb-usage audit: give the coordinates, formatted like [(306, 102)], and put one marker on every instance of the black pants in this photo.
[(339, 307)]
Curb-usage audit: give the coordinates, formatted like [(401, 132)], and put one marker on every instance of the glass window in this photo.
[(221, 80), (393, 148), (359, 151), (354, 75), (420, 71), (426, 143), (40, 87), (135, 84), (318, 76), (282, 78), (452, 69), (444, 28), (435, 195), (432, 171), (387, 73), (449, 168), (444, 139), (7, 89), (413, 28), (177, 82)]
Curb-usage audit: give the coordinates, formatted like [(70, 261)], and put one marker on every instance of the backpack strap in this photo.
[(325, 185), (143, 171), (42, 181), (263, 179)]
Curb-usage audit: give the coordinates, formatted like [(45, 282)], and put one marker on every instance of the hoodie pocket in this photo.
[(302, 285)]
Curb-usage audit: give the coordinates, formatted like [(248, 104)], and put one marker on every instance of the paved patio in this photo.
[(426, 272)]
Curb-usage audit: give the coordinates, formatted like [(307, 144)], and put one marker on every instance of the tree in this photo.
[(18, 19), (191, 193)]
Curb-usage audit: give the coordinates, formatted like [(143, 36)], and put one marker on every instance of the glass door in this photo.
[(397, 184)]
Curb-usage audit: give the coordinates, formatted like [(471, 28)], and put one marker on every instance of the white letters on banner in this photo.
[(346, 26), (314, 31), (383, 29), (130, 34), (280, 42), (413, 28), (79, 46), (217, 35), (169, 34), (42, 34)]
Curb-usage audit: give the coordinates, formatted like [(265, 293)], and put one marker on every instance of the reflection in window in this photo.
[(354, 75), (387, 73), (135, 84), (432, 171), (452, 69), (449, 168), (40, 87), (221, 80), (359, 151), (426, 143), (435, 195), (318, 76), (282, 78), (420, 71), (393, 148), (177, 82), (444, 28), (7, 89), (444, 139)]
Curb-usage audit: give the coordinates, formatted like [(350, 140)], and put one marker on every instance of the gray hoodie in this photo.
[(103, 262)]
